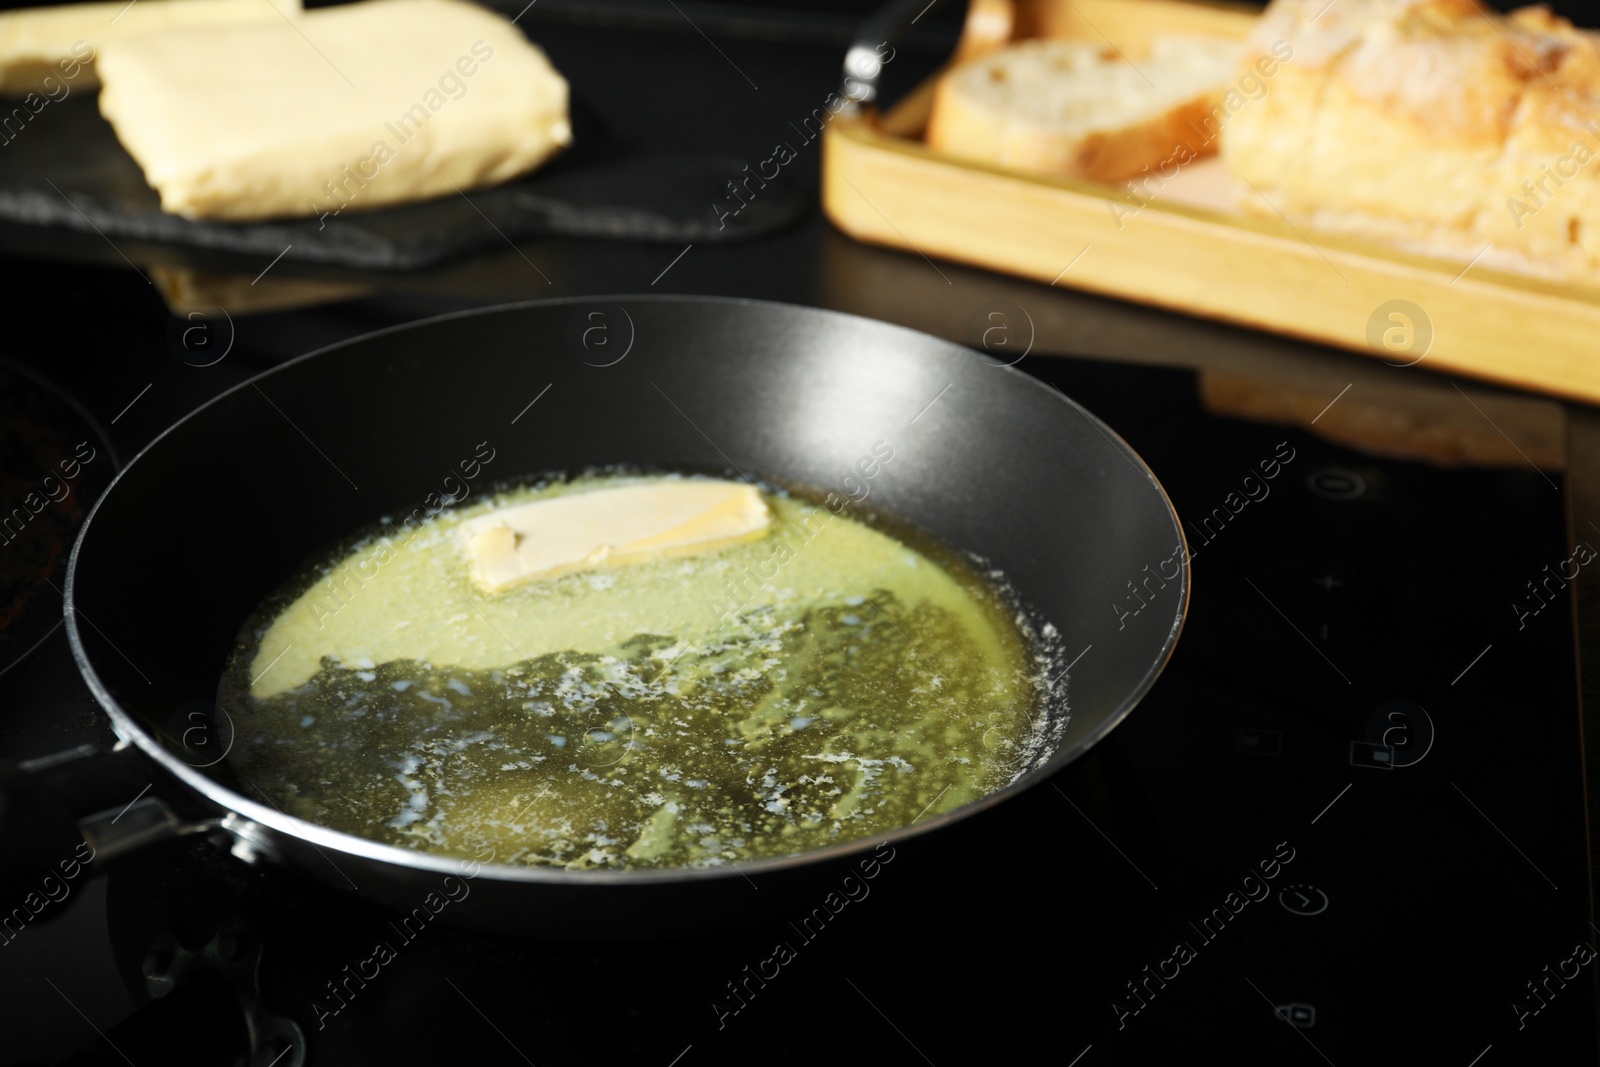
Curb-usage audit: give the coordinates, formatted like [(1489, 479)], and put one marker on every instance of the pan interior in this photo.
[(824, 682), (241, 493)]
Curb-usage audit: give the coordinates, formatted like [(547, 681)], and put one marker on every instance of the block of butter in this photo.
[(344, 108), (60, 42), (607, 527)]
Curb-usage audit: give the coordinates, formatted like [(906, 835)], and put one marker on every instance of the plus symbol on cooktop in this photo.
[(1327, 581)]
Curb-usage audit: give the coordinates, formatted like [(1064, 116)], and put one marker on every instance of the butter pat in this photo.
[(59, 43), (346, 108), (608, 527)]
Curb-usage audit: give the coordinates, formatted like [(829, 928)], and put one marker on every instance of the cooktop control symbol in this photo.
[(1336, 483), (1302, 899), (1303, 1016), (1261, 742)]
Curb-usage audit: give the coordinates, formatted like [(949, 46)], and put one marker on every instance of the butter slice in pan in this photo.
[(608, 527), (344, 108), (60, 42)]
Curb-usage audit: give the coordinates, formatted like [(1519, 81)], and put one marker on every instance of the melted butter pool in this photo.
[(825, 683)]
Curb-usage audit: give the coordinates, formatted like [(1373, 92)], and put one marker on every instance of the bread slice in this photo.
[(59, 43), (397, 100), (1437, 126), (1078, 109)]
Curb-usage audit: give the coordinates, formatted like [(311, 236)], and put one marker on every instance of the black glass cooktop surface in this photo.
[(1346, 826)]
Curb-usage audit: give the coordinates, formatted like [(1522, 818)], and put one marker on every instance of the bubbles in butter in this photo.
[(824, 683)]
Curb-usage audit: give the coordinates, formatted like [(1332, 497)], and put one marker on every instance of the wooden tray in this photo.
[(1190, 248)]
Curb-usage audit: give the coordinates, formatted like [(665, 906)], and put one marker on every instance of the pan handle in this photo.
[(83, 807), (863, 64)]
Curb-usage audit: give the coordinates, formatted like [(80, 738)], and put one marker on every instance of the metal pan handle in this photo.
[(83, 807), (863, 64)]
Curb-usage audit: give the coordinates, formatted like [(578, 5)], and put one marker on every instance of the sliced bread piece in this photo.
[(1079, 109)]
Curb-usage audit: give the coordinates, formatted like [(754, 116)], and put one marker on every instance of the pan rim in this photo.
[(236, 806)]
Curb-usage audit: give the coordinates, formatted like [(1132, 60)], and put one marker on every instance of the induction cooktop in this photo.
[(1346, 826)]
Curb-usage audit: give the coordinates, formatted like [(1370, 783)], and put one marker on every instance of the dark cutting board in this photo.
[(66, 168)]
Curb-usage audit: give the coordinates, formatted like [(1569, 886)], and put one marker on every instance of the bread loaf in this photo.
[(1434, 125), (1079, 109)]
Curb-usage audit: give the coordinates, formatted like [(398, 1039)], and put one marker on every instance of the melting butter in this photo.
[(821, 683), (609, 527), (407, 593)]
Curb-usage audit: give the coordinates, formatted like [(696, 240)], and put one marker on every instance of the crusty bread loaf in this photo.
[(1435, 125), (1079, 109)]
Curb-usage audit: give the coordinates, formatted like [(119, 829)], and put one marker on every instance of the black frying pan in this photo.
[(230, 501)]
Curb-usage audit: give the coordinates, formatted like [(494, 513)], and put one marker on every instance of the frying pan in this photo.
[(233, 499)]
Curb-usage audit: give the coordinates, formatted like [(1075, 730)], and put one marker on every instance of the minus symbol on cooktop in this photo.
[(1260, 742)]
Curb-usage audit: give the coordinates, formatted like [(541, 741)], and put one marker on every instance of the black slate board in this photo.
[(66, 168)]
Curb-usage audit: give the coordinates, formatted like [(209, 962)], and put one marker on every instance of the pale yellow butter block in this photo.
[(60, 42), (608, 527), (348, 108)]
